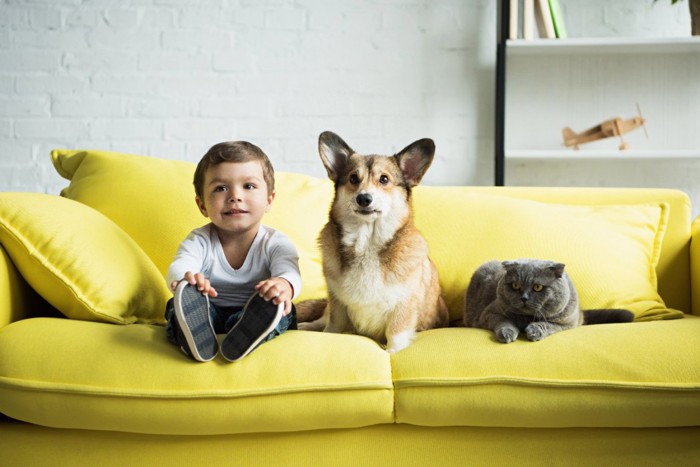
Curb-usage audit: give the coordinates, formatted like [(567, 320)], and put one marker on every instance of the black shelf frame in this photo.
[(503, 21)]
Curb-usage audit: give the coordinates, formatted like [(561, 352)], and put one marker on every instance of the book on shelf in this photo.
[(530, 19), (514, 27), (557, 19), (544, 19)]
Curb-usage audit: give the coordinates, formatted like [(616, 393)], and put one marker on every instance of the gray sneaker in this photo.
[(192, 313), (259, 318)]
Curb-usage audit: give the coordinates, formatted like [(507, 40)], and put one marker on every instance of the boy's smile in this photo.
[(235, 213)]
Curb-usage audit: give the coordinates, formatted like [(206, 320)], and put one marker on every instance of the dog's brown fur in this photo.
[(381, 283)]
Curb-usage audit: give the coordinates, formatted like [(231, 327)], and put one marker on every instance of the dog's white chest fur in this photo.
[(363, 287)]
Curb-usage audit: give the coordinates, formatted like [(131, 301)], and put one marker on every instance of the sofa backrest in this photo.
[(673, 268), (153, 201)]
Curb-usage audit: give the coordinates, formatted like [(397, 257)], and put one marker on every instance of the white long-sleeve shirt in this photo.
[(272, 254)]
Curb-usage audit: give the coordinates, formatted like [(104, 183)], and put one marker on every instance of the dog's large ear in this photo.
[(415, 159), (334, 153)]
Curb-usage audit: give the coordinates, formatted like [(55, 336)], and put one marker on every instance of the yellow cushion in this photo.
[(613, 375), (79, 261), (153, 201), (300, 210), (17, 299), (611, 252), (129, 378)]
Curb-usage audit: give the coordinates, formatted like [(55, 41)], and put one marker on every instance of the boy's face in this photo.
[(235, 196)]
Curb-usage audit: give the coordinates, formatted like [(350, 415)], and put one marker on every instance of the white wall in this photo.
[(169, 78)]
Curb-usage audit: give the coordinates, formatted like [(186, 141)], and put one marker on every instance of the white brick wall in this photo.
[(169, 78)]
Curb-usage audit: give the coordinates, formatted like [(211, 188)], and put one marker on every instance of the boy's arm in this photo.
[(188, 259), (284, 262)]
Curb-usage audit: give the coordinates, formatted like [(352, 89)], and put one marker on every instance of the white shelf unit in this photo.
[(579, 82), (604, 45), (571, 154)]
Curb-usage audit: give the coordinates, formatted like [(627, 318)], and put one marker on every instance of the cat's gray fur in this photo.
[(534, 296)]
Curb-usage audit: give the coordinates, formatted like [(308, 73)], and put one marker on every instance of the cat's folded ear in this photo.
[(509, 264), (557, 269)]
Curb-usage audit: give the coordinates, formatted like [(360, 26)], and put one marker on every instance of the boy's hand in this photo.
[(277, 290), (198, 279)]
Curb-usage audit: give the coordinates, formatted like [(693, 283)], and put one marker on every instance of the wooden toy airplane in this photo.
[(607, 129)]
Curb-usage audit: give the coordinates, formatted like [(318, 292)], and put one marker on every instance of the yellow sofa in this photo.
[(87, 376)]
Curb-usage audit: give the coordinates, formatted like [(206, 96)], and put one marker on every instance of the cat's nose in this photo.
[(524, 298)]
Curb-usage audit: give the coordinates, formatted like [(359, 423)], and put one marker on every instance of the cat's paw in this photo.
[(506, 334), (537, 331)]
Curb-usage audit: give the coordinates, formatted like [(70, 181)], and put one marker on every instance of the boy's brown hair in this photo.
[(233, 151)]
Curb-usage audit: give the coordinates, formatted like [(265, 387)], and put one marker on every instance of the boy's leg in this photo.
[(257, 321), (286, 323), (172, 328), (191, 311)]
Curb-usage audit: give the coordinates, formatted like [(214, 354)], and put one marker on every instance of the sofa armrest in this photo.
[(17, 299), (695, 266)]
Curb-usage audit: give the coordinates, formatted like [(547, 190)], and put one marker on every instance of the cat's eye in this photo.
[(537, 287), (515, 286)]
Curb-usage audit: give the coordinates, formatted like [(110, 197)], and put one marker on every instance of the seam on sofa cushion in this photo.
[(514, 381), (25, 385)]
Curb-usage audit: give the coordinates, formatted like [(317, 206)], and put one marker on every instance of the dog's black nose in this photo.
[(364, 199)]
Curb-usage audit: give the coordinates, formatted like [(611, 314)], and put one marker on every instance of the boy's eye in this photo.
[(537, 287), (249, 186), (383, 179), (220, 188), (354, 179)]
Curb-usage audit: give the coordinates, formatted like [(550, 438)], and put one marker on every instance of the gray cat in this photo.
[(528, 295)]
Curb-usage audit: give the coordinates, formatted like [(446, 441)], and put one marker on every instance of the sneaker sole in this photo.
[(195, 324), (255, 324)]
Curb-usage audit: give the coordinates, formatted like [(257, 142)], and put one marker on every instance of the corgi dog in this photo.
[(381, 282)]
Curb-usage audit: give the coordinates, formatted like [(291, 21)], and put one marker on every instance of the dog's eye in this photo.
[(354, 179), (383, 179), (537, 287)]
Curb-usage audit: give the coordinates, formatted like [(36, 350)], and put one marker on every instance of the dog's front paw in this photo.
[(399, 341)]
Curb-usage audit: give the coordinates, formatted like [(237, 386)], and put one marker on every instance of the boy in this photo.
[(218, 266)]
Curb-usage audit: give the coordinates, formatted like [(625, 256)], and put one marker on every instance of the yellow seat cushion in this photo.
[(79, 261), (614, 375), (129, 378), (153, 200), (610, 251)]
